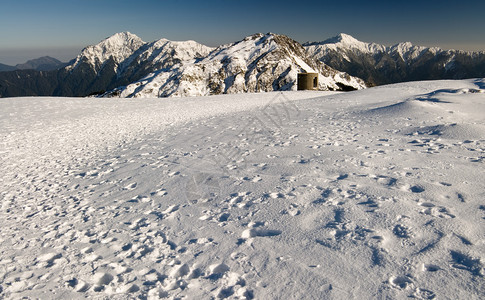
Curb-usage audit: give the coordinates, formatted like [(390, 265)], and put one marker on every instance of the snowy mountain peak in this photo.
[(269, 37), (340, 39), (263, 41), (254, 40), (259, 35), (344, 41), (161, 54), (117, 47), (254, 36), (119, 39), (125, 35), (44, 63), (407, 51), (405, 45)]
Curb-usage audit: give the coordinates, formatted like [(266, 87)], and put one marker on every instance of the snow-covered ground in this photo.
[(371, 194)]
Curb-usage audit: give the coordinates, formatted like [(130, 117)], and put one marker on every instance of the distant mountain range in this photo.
[(125, 66), (45, 63), (378, 64)]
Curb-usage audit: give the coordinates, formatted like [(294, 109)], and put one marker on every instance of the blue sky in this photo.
[(61, 28)]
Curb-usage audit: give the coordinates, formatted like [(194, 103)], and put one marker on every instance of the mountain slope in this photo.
[(96, 68), (378, 64), (116, 48), (158, 56), (258, 63), (120, 60), (27, 83)]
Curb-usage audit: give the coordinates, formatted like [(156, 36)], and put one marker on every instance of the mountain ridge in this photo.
[(379, 64), (347, 39), (44, 63), (124, 65), (257, 63), (124, 59)]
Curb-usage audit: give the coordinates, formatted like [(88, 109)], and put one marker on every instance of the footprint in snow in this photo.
[(47, 260), (240, 200), (423, 294), (385, 180), (276, 195), (140, 198), (169, 211), (414, 189), (400, 282), (159, 192), (401, 231), (431, 268), (417, 189), (292, 210), (254, 179), (131, 186), (435, 211), (342, 176), (255, 230)]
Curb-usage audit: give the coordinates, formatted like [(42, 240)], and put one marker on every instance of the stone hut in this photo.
[(307, 81)]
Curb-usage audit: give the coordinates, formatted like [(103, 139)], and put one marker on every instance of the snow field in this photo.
[(370, 194)]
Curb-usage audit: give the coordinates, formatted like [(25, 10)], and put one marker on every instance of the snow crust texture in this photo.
[(297, 195)]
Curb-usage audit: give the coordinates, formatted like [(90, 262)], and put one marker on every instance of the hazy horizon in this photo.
[(62, 28)]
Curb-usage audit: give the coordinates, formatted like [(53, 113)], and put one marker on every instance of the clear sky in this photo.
[(61, 28)]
